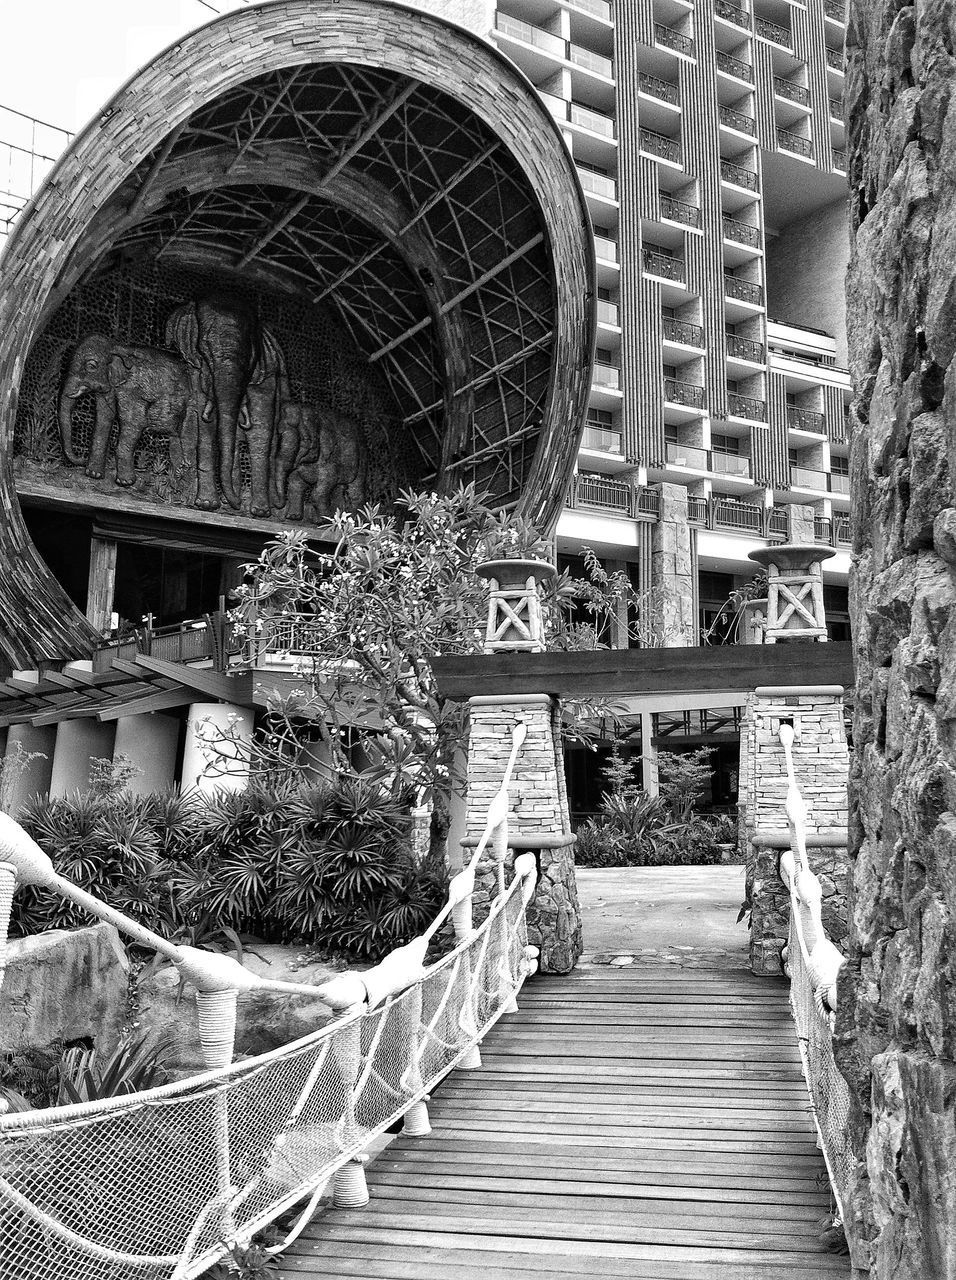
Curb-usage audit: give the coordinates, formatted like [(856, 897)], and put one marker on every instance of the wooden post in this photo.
[(101, 588)]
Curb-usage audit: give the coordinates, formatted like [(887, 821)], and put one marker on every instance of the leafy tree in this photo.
[(398, 589), (684, 777)]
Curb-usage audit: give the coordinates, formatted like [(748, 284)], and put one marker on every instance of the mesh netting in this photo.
[(149, 1187), (829, 1094)]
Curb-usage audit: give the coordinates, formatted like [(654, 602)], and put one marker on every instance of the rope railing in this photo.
[(813, 964), (159, 1185)]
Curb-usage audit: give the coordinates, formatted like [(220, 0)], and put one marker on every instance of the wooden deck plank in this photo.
[(629, 1123)]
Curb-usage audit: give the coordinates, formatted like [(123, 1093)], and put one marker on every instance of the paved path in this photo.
[(643, 1122)]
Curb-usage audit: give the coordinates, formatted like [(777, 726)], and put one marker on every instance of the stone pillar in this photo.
[(619, 637), (78, 742), (17, 786), (539, 817), (672, 568), (649, 755), (218, 746), (101, 587), (150, 743), (801, 524), (822, 764)]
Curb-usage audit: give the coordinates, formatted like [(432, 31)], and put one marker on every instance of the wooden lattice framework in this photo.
[(363, 155)]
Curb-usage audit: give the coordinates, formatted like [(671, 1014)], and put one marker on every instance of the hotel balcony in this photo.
[(670, 272), (739, 176), (747, 407), (839, 484), (732, 66), (835, 10), (746, 349), (771, 31), (729, 464), (737, 290), (683, 401), (657, 88), (660, 146), (683, 332), (732, 13), (603, 494), (686, 455), (799, 419), (734, 119), (679, 211), (834, 59), (792, 91), (667, 38), (807, 478), (608, 313), (602, 440), (607, 376), (795, 143)]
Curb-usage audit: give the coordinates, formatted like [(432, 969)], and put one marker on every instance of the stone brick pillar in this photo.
[(672, 566), (821, 763), (539, 818)]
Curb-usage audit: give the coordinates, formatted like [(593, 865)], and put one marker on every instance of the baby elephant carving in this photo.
[(320, 457)]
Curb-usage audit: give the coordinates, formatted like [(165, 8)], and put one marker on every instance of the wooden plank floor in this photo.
[(638, 1122)]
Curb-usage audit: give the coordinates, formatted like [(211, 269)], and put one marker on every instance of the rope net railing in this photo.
[(158, 1185), (813, 963)]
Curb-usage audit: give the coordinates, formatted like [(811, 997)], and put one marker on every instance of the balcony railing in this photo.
[(806, 478), (198, 640), (748, 407), (741, 232), (835, 9), (835, 59), (686, 393), (672, 39), (839, 483), (530, 34), (805, 419), (662, 264), (658, 88), (735, 173), (734, 67), (735, 119), (605, 249), (743, 290), (788, 89), (732, 13), (658, 144), (607, 312), (604, 439), (588, 118), (839, 158), (686, 455), (692, 335), (606, 375), (778, 523), (836, 108), (745, 348), (822, 529), (590, 61), (729, 464), (842, 533), (649, 502), (679, 211), (745, 517), (771, 31), (696, 509), (607, 495), (794, 142), (598, 184)]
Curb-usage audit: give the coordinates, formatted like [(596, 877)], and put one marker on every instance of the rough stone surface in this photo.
[(264, 1021), (64, 985), (896, 1025), (821, 763)]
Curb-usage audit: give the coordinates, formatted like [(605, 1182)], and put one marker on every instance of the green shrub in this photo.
[(635, 829), (329, 866)]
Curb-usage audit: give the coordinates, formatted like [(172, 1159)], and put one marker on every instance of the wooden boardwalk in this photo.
[(641, 1122)]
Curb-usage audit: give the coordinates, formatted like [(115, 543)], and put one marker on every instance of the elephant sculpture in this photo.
[(137, 389), (319, 456), (240, 383)]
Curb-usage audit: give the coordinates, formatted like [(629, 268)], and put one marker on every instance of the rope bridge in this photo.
[(813, 964), (158, 1185)]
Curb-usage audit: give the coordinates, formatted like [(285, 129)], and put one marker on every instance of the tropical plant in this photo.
[(684, 778), (86, 1075), (13, 764)]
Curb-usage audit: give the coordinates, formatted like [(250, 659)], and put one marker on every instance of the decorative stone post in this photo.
[(794, 613), (538, 794)]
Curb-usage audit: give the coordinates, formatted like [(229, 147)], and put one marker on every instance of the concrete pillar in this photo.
[(649, 755), (618, 638), (101, 587), (218, 745), (150, 743), (672, 568), (19, 784), (78, 742)]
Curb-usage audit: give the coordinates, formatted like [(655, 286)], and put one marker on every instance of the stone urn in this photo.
[(794, 590), (514, 604)]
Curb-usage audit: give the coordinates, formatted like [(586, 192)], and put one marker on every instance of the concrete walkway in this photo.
[(685, 916)]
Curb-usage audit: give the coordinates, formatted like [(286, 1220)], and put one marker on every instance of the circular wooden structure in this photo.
[(367, 157)]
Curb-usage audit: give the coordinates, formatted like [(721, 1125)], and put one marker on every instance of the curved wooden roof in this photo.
[(366, 155)]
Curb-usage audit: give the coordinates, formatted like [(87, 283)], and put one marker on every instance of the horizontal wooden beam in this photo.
[(646, 671), (159, 700), (211, 684)]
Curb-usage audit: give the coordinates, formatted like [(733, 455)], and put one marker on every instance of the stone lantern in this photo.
[(794, 591), (514, 606)]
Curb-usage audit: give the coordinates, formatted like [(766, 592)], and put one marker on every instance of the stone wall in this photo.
[(538, 820), (821, 764), (896, 1023)]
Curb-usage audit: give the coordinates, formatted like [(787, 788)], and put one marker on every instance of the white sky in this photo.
[(61, 59)]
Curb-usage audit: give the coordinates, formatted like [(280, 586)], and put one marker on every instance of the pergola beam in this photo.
[(156, 169)]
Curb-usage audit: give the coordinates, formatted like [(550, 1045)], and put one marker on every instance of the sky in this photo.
[(61, 59)]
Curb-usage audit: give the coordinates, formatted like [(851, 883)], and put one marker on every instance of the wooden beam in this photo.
[(212, 684), (459, 297), (294, 208), (155, 170), (646, 671), (161, 700)]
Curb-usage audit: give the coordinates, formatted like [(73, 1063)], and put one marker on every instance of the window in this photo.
[(725, 444), (604, 295), (603, 355), (601, 418), (670, 370), (839, 466)]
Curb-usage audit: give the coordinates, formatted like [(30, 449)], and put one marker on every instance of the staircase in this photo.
[(646, 1122)]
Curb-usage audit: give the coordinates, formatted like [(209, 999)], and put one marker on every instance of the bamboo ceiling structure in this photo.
[(365, 156)]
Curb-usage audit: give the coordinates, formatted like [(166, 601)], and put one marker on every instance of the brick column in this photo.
[(821, 762), (672, 567)]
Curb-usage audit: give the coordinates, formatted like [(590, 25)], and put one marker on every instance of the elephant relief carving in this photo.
[(137, 389), (320, 457), (239, 382)]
